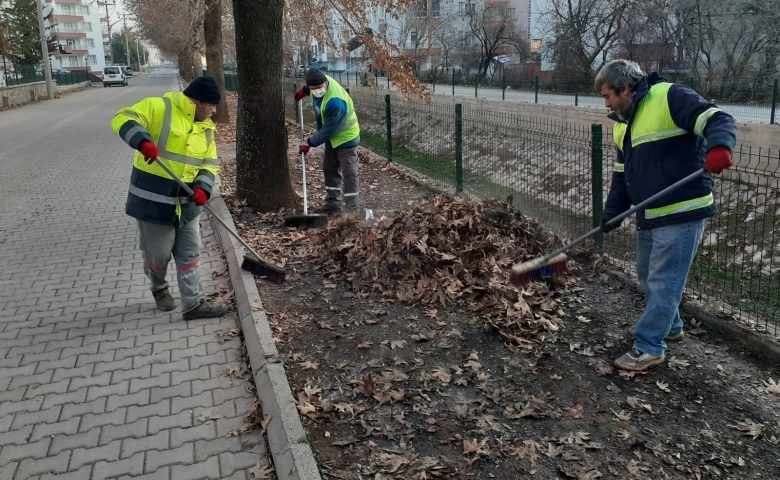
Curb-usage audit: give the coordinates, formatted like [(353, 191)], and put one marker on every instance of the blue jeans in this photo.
[(664, 257)]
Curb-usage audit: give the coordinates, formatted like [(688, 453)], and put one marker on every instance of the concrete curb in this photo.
[(292, 454), (759, 345)]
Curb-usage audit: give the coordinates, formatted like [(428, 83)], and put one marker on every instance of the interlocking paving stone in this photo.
[(95, 382)]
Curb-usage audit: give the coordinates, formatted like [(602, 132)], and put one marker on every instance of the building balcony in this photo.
[(61, 34), (73, 18)]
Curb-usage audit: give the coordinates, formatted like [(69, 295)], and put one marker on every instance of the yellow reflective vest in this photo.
[(186, 145)]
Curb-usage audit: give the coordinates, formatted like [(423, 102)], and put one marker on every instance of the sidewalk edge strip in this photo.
[(291, 451)]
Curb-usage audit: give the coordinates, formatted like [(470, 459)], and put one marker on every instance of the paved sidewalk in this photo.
[(95, 383)]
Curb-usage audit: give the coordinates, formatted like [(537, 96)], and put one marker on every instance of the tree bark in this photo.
[(262, 171), (212, 31)]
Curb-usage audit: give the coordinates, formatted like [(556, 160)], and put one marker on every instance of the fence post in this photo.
[(376, 77), (774, 103), (389, 121), (503, 86), (536, 89), (434, 80), (596, 158), (453, 81), (576, 91), (357, 79), (476, 84), (458, 147)]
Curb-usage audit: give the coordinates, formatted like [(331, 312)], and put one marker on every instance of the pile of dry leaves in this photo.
[(448, 251)]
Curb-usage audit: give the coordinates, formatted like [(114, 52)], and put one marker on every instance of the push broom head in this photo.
[(267, 271), (537, 269)]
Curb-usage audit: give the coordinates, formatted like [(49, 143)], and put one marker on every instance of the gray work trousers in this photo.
[(341, 165), (158, 243)]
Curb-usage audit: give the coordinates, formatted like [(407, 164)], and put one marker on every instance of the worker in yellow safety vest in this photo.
[(177, 129), (663, 132)]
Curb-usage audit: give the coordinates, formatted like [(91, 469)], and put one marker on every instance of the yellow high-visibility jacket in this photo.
[(187, 146)]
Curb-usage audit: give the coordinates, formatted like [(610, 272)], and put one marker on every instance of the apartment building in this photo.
[(82, 35), (420, 32)]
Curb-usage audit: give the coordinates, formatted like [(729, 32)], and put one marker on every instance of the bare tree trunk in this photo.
[(185, 65), (212, 31), (262, 171)]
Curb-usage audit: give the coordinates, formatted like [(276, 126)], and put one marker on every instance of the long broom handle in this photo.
[(628, 212), (216, 217), (303, 161)]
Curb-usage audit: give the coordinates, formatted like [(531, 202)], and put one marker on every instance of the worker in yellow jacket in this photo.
[(177, 129)]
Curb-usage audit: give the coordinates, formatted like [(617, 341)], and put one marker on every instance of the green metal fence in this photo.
[(23, 75), (560, 173)]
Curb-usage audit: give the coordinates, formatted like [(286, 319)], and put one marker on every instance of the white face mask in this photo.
[(320, 92)]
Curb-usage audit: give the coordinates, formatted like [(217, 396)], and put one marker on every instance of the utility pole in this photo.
[(127, 41), (45, 51), (108, 25), (138, 53)]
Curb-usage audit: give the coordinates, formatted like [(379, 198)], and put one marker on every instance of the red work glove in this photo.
[(299, 94), (304, 148), (199, 196), (149, 149), (718, 159)]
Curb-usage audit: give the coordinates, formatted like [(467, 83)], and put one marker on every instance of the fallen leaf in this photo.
[(622, 416), (307, 365), (236, 371), (676, 363), (663, 386), (431, 313), (227, 333), (442, 374), (474, 447), (771, 386), (256, 306), (528, 450), (750, 428), (613, 388), (583, 319), (207, 416), (365, 345), (261, 472), (397, 344)]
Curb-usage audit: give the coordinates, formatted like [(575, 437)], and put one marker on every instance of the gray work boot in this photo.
[(164, 300), (206, 309), (638, 361)]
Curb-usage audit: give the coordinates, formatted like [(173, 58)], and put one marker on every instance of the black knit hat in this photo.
[(315, 77), (203, 89)]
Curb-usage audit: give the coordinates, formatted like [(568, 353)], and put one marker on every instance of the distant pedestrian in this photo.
[(663, 132), (338, 129), (175, 128)]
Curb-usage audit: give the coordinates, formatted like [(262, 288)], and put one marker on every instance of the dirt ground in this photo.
[(430, 389)]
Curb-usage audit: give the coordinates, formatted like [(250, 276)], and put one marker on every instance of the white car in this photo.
[(114, 76)]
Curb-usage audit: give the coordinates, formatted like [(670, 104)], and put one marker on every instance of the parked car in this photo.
[(114, 76), (128, 71), (316, 65), (59, 72)]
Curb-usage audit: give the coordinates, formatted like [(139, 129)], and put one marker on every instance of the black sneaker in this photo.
[(164, 300), (206, 309), (329, 207)]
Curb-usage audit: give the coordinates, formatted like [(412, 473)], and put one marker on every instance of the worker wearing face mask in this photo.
[(338, 130)]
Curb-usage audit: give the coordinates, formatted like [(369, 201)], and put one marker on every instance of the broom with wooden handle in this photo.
[(257, 266), (554, 263)]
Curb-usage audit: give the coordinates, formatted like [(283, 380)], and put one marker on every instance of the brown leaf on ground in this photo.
[(261, 472), (207, 416), (750, 428)]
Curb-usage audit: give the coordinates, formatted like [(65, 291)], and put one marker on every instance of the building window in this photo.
[(91, 60), (436, 8), (90, 43), (73, 61), (413, 37), (87, 27)]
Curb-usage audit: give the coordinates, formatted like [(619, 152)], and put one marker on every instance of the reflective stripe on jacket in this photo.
[(662, 142), (187, 146), (349, 129)]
